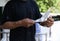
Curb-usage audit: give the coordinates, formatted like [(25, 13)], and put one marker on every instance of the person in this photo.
[(19, 16)]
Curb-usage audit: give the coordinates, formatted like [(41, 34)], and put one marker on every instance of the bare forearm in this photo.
[(10, 25), (24, 22)]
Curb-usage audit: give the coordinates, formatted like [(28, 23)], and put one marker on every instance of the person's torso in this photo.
[(23, 10)]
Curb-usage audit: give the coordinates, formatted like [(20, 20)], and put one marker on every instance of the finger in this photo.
[(50, 16), (49, 23), (30, 21), (50, 19), (30, 25)]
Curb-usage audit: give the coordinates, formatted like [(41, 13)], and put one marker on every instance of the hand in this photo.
[(49, 22), (14, 24), (26, 22)]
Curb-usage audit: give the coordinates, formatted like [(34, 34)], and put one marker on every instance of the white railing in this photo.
[(41, 37), (42, 33), (6, 34)]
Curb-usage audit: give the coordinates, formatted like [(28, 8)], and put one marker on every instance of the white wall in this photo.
[(3, 2), (55, 31)]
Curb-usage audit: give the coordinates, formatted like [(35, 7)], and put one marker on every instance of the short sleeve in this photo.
[(37, 14)]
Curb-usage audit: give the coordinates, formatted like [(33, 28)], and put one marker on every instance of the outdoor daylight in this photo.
[(29, 20)]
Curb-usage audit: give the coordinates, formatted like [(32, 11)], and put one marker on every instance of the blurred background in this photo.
[(42, 34)]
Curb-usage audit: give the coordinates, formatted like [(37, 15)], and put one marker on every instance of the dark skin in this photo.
[(48, 23), (26, 23)]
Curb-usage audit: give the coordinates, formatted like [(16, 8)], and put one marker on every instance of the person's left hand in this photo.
[(49, 22)]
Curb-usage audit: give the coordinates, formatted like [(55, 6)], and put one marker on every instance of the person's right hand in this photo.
[(26, 22)]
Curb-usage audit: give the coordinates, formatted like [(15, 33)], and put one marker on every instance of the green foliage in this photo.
[(44, 5), (57, 5)]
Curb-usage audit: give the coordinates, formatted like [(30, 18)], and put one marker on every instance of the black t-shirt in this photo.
[(16, 10)]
